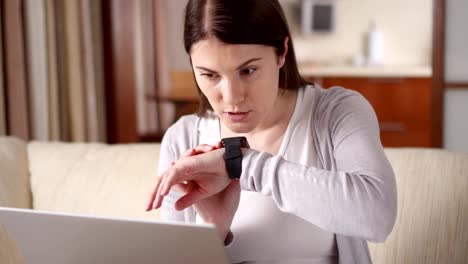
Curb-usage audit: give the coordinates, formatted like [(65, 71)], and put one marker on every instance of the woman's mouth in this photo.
[(236, 116)]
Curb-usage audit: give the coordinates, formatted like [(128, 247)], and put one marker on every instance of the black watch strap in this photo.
[(233, 155)]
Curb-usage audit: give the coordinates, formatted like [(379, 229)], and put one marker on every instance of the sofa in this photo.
[(115, 180)]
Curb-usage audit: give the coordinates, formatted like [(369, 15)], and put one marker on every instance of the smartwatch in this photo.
[(233, 155)]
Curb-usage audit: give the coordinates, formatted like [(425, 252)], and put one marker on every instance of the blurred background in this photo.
[(115, 71)]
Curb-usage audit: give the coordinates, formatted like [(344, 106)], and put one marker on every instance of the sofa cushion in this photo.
[(97, 179), (432, 220), (14, 176)]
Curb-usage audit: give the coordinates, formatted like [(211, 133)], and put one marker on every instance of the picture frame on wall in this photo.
[(317, 16)]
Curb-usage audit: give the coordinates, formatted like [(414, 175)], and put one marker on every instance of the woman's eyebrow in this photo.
[(238, 68), (247, 62), (205, 69)]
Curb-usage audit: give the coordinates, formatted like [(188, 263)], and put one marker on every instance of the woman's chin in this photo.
[(239, 127)]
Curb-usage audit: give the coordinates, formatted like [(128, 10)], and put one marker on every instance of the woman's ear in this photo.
[(282, 58)]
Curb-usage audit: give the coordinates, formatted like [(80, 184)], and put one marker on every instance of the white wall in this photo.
[(407, 28), (406, 25)]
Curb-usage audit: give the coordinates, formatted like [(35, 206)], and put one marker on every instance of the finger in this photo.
[(204, 148), (169, 181), (219, 144), (183, 188), (158, 201), (188, 153), (176, 175), (200, 149), (153, 195), (233, 187), (183, 171), (192, 197), (159, 198), (180, 187)]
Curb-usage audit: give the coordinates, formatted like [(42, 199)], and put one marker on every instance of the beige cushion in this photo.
[(93, 179), (14, 176), (14, 190), (432, 221)]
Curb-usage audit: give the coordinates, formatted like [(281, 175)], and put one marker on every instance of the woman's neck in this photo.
[(269, 135)]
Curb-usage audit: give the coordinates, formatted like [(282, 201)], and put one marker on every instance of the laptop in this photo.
[(58, 238)]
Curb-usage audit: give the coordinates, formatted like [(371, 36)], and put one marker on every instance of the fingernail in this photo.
[(155, 203), (149, 207)]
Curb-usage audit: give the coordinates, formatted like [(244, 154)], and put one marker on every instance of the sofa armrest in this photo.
[(14, 173), (432, 221)]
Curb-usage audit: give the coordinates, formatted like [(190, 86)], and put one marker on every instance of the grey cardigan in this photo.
[(351, 190)]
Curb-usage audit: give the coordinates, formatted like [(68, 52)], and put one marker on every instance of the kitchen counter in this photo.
[(351, 71)]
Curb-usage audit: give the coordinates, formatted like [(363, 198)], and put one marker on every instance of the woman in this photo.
[(315, 183)]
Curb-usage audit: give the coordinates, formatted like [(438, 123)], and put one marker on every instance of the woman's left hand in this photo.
[(205, 172)]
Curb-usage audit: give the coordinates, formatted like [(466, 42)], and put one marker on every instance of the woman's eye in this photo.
[(209, 75), (248, 71)]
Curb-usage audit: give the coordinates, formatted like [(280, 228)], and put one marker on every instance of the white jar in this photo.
[(375, 46)]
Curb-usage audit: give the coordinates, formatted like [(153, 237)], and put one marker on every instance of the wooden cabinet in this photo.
[(403, 106)]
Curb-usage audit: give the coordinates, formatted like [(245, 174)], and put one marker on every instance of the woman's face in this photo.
[(239, 81)]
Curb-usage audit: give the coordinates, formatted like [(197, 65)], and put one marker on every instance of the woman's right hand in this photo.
[(218, 209)]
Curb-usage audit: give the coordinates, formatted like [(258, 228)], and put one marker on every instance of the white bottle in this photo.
[(375, 51)]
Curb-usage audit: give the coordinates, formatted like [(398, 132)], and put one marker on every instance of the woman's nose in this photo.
[(233, 92)]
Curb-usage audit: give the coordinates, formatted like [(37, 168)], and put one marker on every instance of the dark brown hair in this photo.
[(242, 22)]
